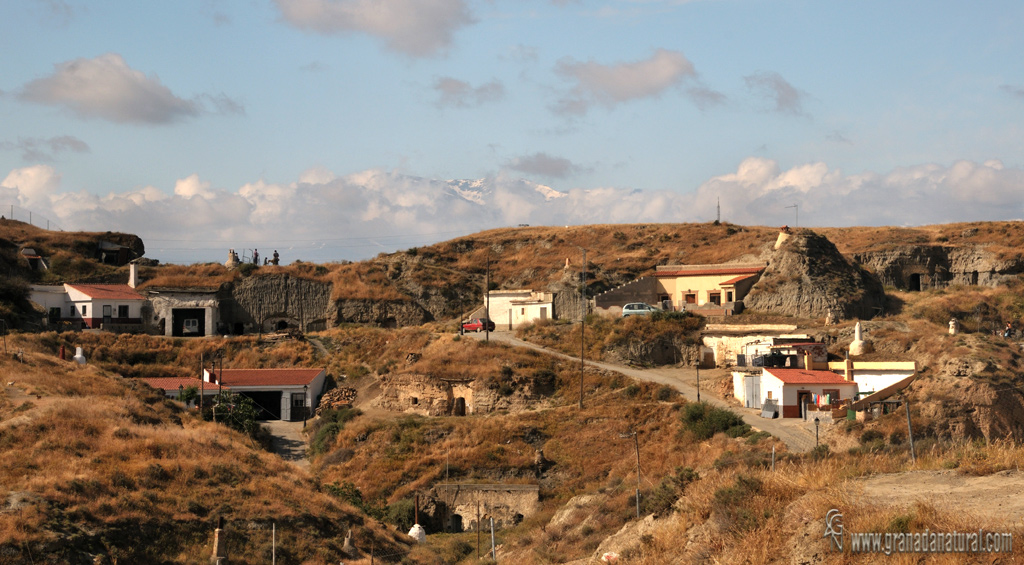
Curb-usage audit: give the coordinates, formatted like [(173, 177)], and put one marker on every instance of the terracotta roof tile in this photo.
[(108, 291), (805, 377), (269, 377), (711, 271), (172, 383), (735, 280)]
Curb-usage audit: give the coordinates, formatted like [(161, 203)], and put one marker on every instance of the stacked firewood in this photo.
[(336, 398)]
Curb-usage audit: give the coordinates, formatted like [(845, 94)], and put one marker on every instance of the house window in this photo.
[(728, 296), (190, 326), (715, 298), (769, 395), (85, 310), (298, 400), (108, 311), (522, 311), (122, 311), (691, 298)]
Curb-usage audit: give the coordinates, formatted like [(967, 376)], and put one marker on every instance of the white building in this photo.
[(280, 394), (510, 309), (116, 307)]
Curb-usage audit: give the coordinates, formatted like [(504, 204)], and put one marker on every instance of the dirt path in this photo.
[(288, 441), (996, 499), (797, 435)]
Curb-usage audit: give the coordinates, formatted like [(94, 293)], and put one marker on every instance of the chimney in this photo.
[(133, 274), (848, 368), (808, 360)]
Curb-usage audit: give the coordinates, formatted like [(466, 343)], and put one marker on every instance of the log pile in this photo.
[(336, 399)]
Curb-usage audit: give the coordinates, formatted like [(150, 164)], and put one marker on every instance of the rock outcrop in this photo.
[(807, 276), (272, 299), (919, 267)]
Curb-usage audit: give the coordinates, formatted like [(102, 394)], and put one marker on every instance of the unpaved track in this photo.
[(794, 434)]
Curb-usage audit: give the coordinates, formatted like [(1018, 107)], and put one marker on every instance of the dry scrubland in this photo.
[(103, 463), (97, 464), (719, 492)]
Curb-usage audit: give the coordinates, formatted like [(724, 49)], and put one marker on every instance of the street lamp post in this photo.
[(816, 422)]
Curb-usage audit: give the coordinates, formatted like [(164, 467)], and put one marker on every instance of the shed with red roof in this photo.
[(281, 394)]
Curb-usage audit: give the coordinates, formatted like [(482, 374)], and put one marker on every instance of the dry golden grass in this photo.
[(204, 275), (94, 453)]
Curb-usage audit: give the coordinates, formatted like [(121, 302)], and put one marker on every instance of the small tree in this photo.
[(189, 395)]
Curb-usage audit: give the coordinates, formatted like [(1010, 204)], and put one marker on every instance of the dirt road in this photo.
[(288, 441), (796, 434)]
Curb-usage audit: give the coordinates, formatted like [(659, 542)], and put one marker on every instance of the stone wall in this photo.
[(507, 504)]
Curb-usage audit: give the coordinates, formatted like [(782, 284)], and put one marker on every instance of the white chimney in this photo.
[(133, 274)]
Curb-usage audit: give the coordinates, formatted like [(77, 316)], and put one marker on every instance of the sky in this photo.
[(339, 129)]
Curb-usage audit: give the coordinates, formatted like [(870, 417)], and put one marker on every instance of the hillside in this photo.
[(98, 465)]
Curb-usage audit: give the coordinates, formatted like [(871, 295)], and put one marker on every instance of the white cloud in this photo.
[(106, 87), (459, 94), (323, 216), (40, 149), (191, 186), (614, 84), (785, 97), (35, 184), (543, 164), (413, 27)]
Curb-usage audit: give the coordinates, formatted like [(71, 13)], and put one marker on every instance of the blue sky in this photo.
[(332, 127)]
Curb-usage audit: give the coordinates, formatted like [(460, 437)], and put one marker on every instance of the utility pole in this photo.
[(910, 433), (487, 299), (583, 322)]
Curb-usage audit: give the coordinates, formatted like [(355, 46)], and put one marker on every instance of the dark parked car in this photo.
[(478, 325)]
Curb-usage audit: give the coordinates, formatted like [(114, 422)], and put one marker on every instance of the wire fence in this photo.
[(15, 212)]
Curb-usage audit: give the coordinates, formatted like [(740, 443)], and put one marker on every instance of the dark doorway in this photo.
[(460, 406), (282, 325), (974, 277), (268, 402), (456, 524), (914, 282), (803, 398), (188, 322), (299, 409)]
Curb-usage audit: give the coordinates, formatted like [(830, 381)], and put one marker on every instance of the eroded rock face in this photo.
[(807, 276), (261, 300), (919, 267), (387, 314)]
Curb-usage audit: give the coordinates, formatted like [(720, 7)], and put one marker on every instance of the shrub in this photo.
[(401, 514), (631, 391), (664, 393), (897, 437), (870, 436), (324, 438), (705, 421)]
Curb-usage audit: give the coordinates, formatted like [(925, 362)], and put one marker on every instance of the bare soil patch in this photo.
[(994, 499)]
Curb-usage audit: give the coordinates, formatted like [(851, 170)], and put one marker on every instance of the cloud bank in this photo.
[(106, 87), (417, 28), (609, 85), (323, 216)]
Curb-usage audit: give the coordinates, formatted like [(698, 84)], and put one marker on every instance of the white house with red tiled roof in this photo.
[(791, 388), (116, 307), (281, 394)]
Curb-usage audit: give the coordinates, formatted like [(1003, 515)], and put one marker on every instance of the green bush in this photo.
[(324, 438), (705, 421), (401, 514), (664, 393), (870, 436)]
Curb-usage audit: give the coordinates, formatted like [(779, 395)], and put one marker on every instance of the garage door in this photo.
[(267, 402)]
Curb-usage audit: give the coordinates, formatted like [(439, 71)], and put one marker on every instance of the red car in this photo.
[(477, 325)]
